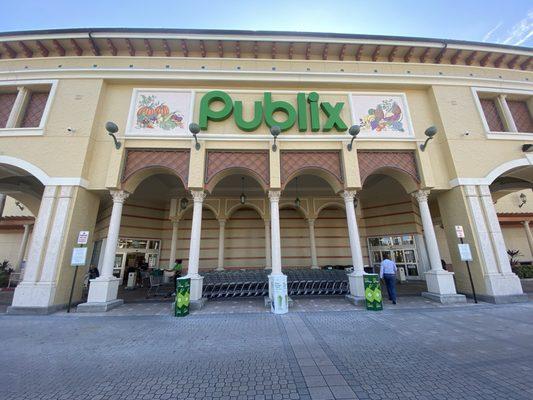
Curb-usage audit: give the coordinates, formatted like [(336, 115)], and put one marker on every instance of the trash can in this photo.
[(372, 292), (183, 293)]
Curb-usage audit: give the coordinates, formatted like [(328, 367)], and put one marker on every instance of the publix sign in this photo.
[(306, 115)]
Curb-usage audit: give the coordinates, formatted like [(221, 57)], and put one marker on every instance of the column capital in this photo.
[(274, 195), (525, 223), (119, 196), (222, 222), (421, 195), (348, 195), (198, 196), (311, 221)]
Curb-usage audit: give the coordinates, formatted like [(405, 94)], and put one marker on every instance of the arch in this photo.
[(137, 177), (37, 172), (216, 178), (325, 174), (204, 205), (245, 206), (329, 204), (290, 206), (506, 167), (402, 177)]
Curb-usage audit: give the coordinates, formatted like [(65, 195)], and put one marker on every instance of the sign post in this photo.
[(79, 258), (466, 256)]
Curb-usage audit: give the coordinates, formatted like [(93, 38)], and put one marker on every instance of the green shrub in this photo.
[(523, 271)]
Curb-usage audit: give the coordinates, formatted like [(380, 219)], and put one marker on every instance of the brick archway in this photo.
[(372, 161)]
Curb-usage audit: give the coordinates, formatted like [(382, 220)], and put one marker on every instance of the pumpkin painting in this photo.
[(152, 114)]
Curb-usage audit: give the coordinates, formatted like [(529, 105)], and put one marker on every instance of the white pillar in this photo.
[(221, 229), (357, 287), (268, 263), (312, 243), (103, 290), (194, 249), (528, 235), (22, 248), (277, 282), (2, 203), (441, 286), (173, 244), (508, 119), (274, 196)]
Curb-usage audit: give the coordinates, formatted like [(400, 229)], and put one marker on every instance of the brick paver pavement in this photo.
[(471, 352)]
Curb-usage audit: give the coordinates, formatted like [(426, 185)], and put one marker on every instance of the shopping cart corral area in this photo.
[(253, 283)]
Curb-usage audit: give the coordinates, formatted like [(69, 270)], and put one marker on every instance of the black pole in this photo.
[(470, 276), (72, 288)]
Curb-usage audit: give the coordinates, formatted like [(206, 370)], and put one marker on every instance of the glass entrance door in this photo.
[(400, 249)]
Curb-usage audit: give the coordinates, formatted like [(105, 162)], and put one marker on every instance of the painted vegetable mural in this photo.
[(152, 113), (386, 116)]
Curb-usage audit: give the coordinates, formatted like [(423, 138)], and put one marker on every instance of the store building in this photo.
[(235, 195)]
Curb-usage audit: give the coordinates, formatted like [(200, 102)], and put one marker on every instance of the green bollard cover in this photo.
[(183, 293), (373, 292)]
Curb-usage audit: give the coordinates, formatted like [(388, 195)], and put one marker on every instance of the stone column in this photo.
[(22, 248), (528, 235), (103, 290), (441, 286), (277, 282), (221, 229), (173, 244), (194, 249), (508, 119), (357, 287), (274, 196), (312, 243), (268, 263), (2, 203)]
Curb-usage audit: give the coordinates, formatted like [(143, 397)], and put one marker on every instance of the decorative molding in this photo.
[(371, 161), (119, 196), (293, 162), (174, 160), (274, 195), (348, 195), (256, 162), (421, 195), (198, 196)]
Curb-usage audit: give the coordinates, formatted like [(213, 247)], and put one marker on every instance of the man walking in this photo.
[(387, 272)]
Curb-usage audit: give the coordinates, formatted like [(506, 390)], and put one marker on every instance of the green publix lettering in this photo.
[(266, 110)]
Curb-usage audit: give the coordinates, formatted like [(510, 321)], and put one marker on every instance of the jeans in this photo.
[(390, 281)]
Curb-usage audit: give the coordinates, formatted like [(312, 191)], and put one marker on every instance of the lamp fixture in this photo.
[(523, 200), (184, 202), (195, 129), (111, 129), (526, 148), (429, 132), (297, 201), (353, 131), (243, 196), (355, 202), (19, 205), (275, 131)]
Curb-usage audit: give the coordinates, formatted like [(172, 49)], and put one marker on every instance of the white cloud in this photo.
[(521, 31), (491, 32)]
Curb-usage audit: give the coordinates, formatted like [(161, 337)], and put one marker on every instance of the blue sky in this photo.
[(495, 21)]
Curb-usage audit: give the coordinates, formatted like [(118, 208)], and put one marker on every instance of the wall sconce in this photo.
[(353, 131), (184, 202), (523, 200), (111, 129), (275, 131), (526, 148), (242, 198), (297, 201), (430, 132), (19, 205), (195, 129)]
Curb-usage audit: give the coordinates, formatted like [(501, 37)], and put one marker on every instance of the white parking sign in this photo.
[(459, 231)]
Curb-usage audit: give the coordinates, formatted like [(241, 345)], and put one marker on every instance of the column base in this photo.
[(103, 290), (219, 269), (440, 282), (197, 282), (99, 307), (277, 292), (499, 285), (445, 298), (30, 295), (505, 299), (268, 301), (315, 267), (355, 300), (357, 285)]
